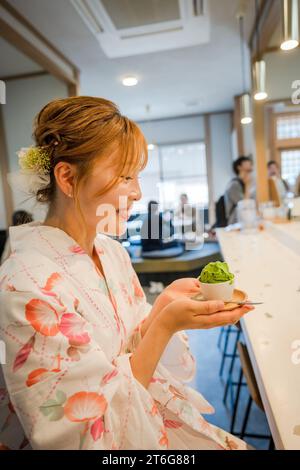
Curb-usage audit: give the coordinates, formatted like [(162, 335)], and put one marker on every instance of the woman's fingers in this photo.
[(207, 307), (224, 317)]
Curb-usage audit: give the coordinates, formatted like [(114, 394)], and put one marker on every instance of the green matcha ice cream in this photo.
[(214, 273)]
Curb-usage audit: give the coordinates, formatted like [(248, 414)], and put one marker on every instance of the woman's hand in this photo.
[(187, 314), (181, 288)]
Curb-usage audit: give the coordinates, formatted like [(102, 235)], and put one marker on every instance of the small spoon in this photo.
[(230, 301), (243, 303)]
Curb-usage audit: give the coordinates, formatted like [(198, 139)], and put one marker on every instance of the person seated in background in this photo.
[(275, 174), (19, 217), (156, 231), (239, 187), (186, 213)]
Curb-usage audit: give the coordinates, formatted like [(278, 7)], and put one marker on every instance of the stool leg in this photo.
[(220, 337), (245, 422), (225, 351), (271, 444), (236, 402), (229, 380)]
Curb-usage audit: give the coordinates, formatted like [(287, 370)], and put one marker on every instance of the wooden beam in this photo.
[(4, 169), (266, 22), (262, 186), (264, 4), (15, 29), (24, 75), (73, 88), (22, 20)]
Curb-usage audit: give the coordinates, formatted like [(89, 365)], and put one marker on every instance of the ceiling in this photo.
[(186, 80), (14, 62)]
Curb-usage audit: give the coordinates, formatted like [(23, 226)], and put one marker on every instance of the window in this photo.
[(288, 127), (287, 145), (290, 165), (173, 170)]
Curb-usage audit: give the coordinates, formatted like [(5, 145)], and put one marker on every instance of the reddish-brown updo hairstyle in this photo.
[(80, 130)]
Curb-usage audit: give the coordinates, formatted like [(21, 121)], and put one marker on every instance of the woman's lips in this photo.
[(123, 213)]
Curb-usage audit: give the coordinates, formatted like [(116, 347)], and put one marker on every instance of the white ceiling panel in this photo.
[(181, 81)]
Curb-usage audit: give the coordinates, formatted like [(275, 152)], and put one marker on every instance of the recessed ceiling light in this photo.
[(151, 147), (130, 81)]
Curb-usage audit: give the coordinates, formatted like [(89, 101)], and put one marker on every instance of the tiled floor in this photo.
[(203, 344)]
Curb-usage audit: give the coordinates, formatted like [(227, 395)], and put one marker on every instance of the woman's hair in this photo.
[(83, 129), (21, 217), (238, 162)]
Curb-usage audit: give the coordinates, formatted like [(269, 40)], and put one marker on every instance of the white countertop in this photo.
[(267, 267)]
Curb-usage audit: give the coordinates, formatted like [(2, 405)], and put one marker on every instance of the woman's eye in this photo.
[(127, 178)]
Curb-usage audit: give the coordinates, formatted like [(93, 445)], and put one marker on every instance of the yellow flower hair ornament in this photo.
[(34, 172), (35, 159)]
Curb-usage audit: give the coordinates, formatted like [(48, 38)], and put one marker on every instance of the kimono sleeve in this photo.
[(66, 392), (177, 357)]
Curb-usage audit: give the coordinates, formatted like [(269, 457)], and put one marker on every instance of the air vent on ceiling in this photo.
[(145, 25), (136, 13)]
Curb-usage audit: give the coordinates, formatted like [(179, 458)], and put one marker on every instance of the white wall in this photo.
[(25, 98), (282, 69), (221, 150), (171, 131)]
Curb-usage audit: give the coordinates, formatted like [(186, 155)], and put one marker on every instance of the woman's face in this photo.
[(109, 212)]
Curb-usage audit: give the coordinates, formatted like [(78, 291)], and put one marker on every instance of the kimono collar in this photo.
[(35, 235)]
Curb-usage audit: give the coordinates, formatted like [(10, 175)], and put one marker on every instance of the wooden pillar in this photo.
[(73, 88), (4, 169), (262, 187)]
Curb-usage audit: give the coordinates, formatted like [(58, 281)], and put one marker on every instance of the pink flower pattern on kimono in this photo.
[(77, 250), (85, 406), (126, 294), (74, 328), (39, 374), (138, 291), (42, 317), (51, 282)]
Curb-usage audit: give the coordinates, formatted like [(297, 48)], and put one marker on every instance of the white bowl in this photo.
[(220, 291)]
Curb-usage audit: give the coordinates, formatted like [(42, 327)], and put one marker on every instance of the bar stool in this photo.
[(228, 331), (254, 396), (229, 382)]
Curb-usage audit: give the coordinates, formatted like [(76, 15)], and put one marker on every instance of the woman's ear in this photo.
[(65, 177)]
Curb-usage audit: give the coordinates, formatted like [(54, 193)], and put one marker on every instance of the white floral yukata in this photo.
[(69, 334)]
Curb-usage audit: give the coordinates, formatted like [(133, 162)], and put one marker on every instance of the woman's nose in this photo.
[(136, 191)]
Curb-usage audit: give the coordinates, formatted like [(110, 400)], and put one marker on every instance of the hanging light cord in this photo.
[(241, 21)]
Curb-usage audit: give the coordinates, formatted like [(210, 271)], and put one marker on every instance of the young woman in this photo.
[(89, 364)]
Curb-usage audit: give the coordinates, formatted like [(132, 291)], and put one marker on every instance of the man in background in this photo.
[(239, 187), (275, 173)]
